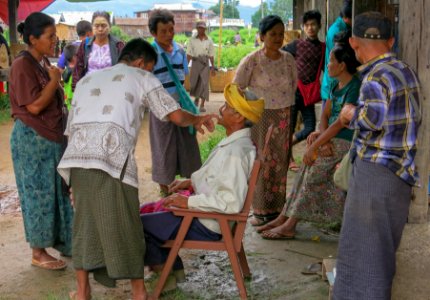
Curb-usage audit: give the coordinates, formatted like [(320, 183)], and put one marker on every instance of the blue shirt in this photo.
[(62, 63), (178, 60), (386, 119), (338, 26)]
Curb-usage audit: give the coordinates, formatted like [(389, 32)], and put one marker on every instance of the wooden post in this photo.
[(13, 12), (414, 49), (221, 8)]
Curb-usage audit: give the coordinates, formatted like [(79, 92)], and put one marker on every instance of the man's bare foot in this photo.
[(281, 219), (278, 233)]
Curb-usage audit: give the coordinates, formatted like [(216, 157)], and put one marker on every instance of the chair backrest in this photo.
[(259, 161)]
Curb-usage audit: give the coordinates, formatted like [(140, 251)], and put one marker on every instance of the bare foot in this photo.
[(284, 231), (281, 219)]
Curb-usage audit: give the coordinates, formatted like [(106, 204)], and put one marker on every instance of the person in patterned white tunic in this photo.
[(99, 164)]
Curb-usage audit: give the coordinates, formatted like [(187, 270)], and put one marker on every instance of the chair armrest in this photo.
[(207, 214)]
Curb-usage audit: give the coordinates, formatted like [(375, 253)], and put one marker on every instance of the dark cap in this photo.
[(372, 25)]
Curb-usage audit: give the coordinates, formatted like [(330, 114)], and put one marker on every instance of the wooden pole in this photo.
[(414, 50), (12, 10), (221, 8)]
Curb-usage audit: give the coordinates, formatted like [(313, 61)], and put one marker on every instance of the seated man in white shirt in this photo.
[(220, 185)]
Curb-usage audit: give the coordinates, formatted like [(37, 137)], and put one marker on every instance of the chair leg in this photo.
[(244, 262), (235, 265), (185, 225)]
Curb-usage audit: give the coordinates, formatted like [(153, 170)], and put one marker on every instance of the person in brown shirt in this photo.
[(37, 102)]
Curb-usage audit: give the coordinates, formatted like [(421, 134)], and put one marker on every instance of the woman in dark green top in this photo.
[(314, 197)]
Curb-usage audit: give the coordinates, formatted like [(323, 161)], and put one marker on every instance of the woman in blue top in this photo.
[(314, 197)]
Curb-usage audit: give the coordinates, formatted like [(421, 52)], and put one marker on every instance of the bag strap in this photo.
[(172, 73), (321, 61), (414, 101)]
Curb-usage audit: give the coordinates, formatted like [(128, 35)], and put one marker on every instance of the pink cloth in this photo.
[(157, 206)]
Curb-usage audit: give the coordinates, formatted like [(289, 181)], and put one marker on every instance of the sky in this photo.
[(128, 7)]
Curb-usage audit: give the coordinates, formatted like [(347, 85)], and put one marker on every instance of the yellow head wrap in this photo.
[(251, 110)]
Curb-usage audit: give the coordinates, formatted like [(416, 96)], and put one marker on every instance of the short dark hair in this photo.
[(346, 11), (70, 51), (343, 52), (34, 25), (312, 15), (82, 27), (268, 23), (103, 14), (138, 48), (159, 15)]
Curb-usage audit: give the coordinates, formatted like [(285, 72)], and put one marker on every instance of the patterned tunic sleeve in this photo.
[(244, 71), (158, 99)]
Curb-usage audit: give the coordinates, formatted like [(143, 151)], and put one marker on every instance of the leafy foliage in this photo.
[(117, 31), (231, 56), (282, 8), (4, 108), (213, 140), (230, 10), (246, 35), (181, 39)]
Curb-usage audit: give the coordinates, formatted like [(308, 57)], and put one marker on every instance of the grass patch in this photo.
[(4, 108), (206, 146)]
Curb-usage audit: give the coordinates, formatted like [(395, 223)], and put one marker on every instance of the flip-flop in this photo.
[(312, 269), (293, 167), (260, 220), (276, 236), (50, 264)]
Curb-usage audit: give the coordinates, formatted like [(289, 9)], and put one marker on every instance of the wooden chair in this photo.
[(231, 238)]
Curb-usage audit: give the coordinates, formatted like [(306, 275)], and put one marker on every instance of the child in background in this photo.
[(70, 57)]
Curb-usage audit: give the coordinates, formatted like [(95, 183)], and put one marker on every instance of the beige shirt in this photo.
[(104, 122), (197, 47), (273, 80), (221, 184)]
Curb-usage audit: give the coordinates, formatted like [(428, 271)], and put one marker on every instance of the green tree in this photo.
[(117, 31), (282, 8), (230, 10), (257, 16)]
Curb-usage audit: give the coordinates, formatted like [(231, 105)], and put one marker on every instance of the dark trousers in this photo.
[(308, 115), (162, 226), (376, 210)]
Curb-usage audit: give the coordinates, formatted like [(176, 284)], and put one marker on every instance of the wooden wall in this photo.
[(414, 49)]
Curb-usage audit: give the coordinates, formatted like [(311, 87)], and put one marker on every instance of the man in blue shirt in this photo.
[(84, 29), (386, 119), (342, 23), (174, 149)]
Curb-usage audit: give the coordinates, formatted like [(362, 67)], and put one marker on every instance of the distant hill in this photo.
[(128, 7)]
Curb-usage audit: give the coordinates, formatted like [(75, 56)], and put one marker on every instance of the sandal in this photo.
[(293, 167), (260, 220), (313, 269), (50, 264)]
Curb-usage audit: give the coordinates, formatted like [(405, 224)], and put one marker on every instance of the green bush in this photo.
[(232, 55), (4, 101), (246, 35), (213, 140), (181, 39)]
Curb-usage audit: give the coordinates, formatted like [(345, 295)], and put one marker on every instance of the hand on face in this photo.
[(206, 121)]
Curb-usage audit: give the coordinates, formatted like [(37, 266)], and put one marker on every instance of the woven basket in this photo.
[(220, 80), (291, 35)]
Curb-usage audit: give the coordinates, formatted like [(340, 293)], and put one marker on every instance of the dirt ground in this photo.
[(275, 265)]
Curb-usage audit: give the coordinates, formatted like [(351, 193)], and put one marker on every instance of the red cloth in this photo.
[(157, 206), (25, 8)]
